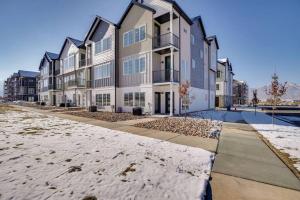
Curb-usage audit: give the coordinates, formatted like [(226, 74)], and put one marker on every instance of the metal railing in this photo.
[(162, 76), (85, 62), (165, 40)]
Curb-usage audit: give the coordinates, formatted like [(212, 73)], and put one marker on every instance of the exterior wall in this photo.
[(163, 90), (185, 46), (206, 66), (136, 17), (197, 54), (200, 101), (109, 90), (161, 7)]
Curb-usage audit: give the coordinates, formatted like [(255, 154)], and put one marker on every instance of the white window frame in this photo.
[(101, 42), (126, 72), (133, 32)]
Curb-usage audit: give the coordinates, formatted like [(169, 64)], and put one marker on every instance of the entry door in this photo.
[(168, 102), (217, 101), (157, 103), (167, 68), (54, 100)]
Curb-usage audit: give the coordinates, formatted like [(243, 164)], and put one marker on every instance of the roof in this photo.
[(77, 43), (213, 37), (52, 56), (131, 4), (199, 19), (223, 60), (94, 26), (29, 74), (179, 9)]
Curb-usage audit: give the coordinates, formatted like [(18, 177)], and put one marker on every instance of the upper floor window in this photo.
[(218, 74), (31, 90), (102, 71), (69, 62), (217, 87), (103, 45), (193, 64), (134, 65), (193, 39), (134, 36), (139, 99), (45, 69)]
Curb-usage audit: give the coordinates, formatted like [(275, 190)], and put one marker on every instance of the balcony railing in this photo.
[(85, 62), (165, 40), (162, 76), (89, 84)]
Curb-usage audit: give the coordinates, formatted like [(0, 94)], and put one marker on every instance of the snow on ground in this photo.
[(282, 135), (44, 157), (219, 115)]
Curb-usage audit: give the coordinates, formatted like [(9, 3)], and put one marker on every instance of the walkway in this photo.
[(245, 168)]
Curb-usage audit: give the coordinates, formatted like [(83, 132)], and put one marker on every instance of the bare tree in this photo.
[(255, 100), (186, 99), (276, 91)]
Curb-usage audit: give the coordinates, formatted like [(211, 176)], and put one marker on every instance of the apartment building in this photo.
[(49, 69), (140, 62), (70, 81), (240, 92), (224, 83), (21, 86)]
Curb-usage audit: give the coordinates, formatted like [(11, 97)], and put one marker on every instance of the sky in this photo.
[(258, 36)]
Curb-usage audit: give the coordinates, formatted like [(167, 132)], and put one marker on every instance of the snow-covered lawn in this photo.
[(282, 135), (44, 157)]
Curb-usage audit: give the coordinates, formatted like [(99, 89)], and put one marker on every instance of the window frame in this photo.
[(135, 32)]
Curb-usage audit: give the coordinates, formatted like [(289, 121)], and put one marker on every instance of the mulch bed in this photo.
[(106, 116), (190, 127)]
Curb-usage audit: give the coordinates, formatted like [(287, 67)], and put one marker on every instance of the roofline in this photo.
[(95, 21), (180, 10), (131, 4), (213, 37), (67, 39), (199, 19)]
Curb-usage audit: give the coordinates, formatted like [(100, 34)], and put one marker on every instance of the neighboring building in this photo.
[(5, 90), (21, 86), (49, 69), (240, 92), (70, 80), (139, 62), (224, 83)]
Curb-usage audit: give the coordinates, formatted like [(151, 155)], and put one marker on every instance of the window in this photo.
[(193, 64), (201, 54), (217, 86), (103, 45), (102, 100), (31, 90), (102, 71), (139, 99), (134, 36), (184, 70), (193, 39), (218, 74), (69, 62), (128, 99), (133, 66)]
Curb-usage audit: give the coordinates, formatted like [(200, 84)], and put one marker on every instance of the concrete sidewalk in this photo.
[(245, 168)]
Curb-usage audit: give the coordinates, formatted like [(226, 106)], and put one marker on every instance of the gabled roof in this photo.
[(131, 4), (180, 11), (94, 26), (77, 43), (213, 37), (52, 56), (223, 60), (28, 74), (199, 19)]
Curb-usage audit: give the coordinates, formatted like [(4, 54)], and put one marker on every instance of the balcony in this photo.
[(163, 76), (85, 62), (163, 43), (89, 84)]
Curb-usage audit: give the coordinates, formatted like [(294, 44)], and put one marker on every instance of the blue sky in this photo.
[(257, 35)]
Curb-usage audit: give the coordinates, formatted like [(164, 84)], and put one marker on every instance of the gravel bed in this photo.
[(191, 127), (106, 116)]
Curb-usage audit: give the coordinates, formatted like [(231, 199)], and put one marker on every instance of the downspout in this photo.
[(116, 64), (172, 63)]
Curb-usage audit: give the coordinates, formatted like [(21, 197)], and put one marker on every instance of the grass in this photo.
[(5, 108)]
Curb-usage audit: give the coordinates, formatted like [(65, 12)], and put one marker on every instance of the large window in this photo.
[(193, 64), (217, 87), (31, 90), (102, 71), (102, 100), (139, 99), (134, 36), (69, 62), (103, 45), (128, 99), (134, 65), (218, 74)]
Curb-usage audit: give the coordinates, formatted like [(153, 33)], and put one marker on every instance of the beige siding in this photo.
[(136, 17)]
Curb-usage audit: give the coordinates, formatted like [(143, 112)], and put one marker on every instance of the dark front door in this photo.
[(157, 103), (168, 102), (217, 101), (54, 100), (167, 68)]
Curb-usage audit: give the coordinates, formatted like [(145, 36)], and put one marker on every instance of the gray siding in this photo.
[(197, 74)]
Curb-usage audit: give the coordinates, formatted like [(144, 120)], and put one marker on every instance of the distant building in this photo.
[(21, 86), (224, 80), (240, 92)]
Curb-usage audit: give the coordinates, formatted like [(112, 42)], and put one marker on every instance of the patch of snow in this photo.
[(44, 157), (282, 135)]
